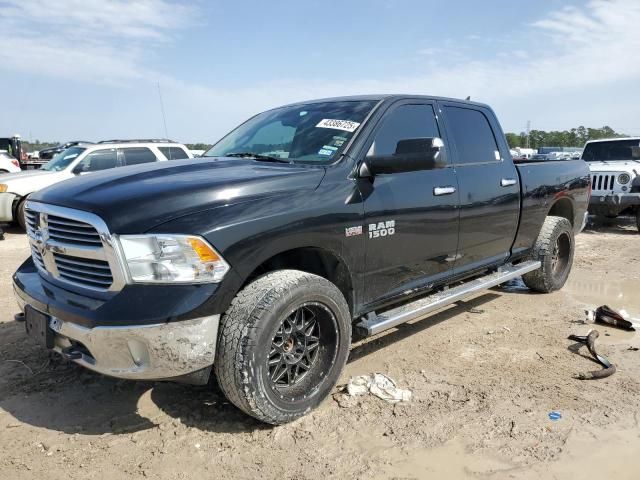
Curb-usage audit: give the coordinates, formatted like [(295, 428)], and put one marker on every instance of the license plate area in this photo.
[(37, 326)]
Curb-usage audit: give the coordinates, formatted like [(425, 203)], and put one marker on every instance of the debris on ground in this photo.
[(608, 316), (590, 340), (378, 385)]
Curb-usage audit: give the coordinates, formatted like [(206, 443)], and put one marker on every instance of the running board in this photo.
[(373, 324)]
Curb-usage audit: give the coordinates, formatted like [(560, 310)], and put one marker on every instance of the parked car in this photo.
[(305, 222), (615, 180), (49, 153), (8, 164), (77, 160)]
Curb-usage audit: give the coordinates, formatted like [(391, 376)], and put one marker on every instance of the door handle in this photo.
[(507, 182), (448, 190)]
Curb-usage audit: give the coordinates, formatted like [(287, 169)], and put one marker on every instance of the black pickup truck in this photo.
[(304, 224)]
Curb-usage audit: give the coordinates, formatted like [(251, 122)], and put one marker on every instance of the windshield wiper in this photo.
[(257, 156)]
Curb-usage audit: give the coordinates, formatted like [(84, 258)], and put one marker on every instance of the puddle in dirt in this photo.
[(619, 294), (595, 290)]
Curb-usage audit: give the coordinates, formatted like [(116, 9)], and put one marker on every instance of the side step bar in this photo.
[(373, 324)]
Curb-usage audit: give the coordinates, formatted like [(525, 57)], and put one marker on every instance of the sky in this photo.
[(95, 69)]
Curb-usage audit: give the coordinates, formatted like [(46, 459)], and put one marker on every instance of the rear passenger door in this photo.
[(136, 156), (488, 184)]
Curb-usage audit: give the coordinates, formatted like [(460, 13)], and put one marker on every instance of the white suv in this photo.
[(80, 160), (615, 176)]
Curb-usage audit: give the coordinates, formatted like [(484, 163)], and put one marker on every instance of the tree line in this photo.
[(575, 137)]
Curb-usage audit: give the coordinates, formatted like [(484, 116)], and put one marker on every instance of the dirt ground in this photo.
[(485, 374)]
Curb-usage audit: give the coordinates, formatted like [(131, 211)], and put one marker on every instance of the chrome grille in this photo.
[(75, 269), (72, 232), (72, 247), (602, 182)]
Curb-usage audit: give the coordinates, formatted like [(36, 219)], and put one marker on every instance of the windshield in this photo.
[(63, 159), (613, 150), (311, 133)]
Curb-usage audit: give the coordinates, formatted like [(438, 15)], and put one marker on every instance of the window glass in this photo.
[(612, 150), (403, 123), (99, 160), (311, 133), (137, 155), (472, 135), (62, 161), (173, 153)]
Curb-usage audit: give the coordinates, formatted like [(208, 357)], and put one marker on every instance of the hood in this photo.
[(135, 199), (18, 180), (615, 166)]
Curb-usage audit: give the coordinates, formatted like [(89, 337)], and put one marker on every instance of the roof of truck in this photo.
[(614, 139), (380, 97)]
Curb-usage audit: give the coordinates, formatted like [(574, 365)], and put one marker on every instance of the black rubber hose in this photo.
[(590, 341)]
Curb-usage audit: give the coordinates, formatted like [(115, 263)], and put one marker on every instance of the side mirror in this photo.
[(413, 154), (78, 169)]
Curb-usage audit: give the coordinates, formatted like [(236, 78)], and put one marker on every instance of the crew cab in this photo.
[(80, 159), (306, 225), (614, 164)]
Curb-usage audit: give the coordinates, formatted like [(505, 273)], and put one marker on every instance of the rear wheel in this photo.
[(282, 345), (554, 248)]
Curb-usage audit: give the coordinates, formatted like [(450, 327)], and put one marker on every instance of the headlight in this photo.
[(168, 258), (624, 178), (3, 187)]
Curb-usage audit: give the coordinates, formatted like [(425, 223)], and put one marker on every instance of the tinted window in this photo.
[(99, 160), (613, 150), (137, 155), (173, 153), (403, 123), (315, 132), (472, 134)]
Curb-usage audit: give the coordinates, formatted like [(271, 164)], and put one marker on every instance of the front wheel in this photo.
[(554, 248), (282, 345), (20, 215)]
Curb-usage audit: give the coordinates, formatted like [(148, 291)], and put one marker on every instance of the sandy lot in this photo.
[(484, 374)]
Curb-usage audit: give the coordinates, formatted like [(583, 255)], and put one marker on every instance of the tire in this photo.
[(20, 214), (638, 219), (554, 248), (266, 330)]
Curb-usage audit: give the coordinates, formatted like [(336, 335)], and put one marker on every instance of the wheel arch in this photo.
[(563, 207), (316, 260)]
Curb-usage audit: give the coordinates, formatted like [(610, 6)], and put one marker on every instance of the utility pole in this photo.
[(528, 132)]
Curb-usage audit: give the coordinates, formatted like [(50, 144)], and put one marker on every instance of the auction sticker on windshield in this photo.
[(346, 125)]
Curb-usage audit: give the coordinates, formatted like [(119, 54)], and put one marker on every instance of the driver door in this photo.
[(411, 218)]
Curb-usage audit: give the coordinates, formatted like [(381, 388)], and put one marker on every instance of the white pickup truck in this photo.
[(79, 160), (615, 177)]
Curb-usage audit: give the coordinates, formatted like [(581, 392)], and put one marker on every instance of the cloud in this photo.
[(103, 40), (567, 50)]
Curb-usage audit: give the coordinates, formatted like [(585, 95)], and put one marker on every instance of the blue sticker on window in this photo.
[(324, 151), (329, 147)]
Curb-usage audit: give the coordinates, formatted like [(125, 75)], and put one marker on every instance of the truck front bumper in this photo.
[(621, 200), (6, 206), (148, 348)]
